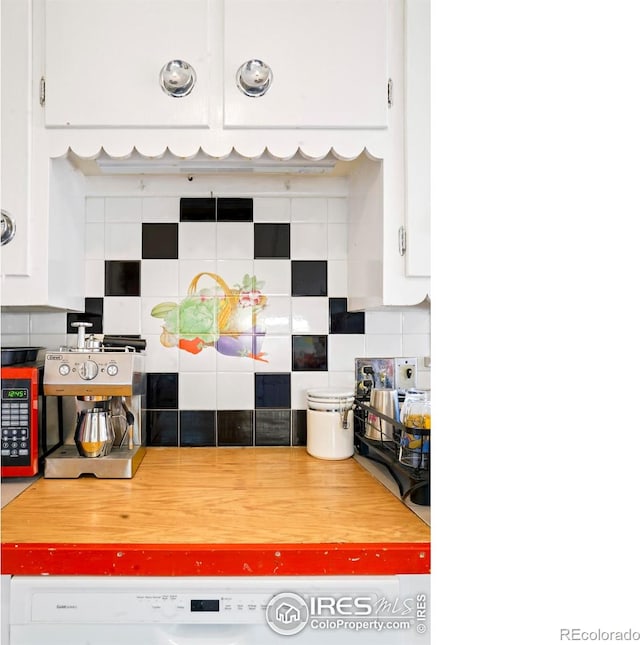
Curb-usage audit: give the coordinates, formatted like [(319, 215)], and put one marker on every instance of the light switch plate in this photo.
[(405, 371)]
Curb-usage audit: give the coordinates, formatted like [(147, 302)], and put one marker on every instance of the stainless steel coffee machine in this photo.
[(104, 388)]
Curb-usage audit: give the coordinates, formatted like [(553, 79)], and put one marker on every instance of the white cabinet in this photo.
[(15, 17), (417, 138), (329, 63), (43, 266), (103, 59), (54, 279), (389, 231)]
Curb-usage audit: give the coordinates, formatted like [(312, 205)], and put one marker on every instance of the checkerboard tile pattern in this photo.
[(143, 251)]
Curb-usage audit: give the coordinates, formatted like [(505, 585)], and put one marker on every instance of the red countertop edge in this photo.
[(216, 560)]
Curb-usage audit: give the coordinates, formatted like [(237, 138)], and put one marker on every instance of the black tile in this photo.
[(273, 427), (309, 353), (298, 427), (342, 321), (160, 241), (162, 390), (162, 428), (122, 278), (273, 391), (197, 209), (93, 308), (309, 278), (271, 241), (234, 209), (235, 427), (197, 428)]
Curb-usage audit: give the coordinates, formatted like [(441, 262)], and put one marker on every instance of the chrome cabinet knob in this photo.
[(177, 78), (7, 228), (254, 78)]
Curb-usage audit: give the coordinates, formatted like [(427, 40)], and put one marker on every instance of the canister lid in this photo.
[(330, 399), (329, 393)]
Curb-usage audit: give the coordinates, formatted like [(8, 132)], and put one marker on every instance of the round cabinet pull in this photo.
[(254, 78), (177, 78), (8, 228)]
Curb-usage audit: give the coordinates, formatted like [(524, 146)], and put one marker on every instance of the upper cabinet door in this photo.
[(15, 151), (328, 59), (103, 61)]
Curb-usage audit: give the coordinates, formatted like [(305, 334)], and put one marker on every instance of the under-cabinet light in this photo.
[(206, 166)]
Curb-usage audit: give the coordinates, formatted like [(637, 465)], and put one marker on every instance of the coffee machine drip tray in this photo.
[(67, 463)]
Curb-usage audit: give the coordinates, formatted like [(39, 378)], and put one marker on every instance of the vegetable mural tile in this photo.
[(215, 315)]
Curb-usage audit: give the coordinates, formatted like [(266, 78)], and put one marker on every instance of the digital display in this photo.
[(205, 605), (15, 393)]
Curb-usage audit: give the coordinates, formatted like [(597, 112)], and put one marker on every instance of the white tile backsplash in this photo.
[(15, 323), (233, 271), (94, 209), (197, 391), (235, 390), (337, 279), (309, 315), (271, 209), (197, 240), (309, 241), (161, 209), (159, 278), (416, 321), (210, 380), (159, 358), (235, 240), (275, 318), (383, 345), (309, 209), (122, 241), (94, 278), (337, 210), (343, 349), (337, 241), (416, 345), (277, 350), (48, 323), (189, 269), (122, 315), (123, 209), (383, 322), (94, 241), (276, 275), (303, 381)]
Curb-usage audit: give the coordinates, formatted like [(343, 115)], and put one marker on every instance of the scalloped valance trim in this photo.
[(176, 153)]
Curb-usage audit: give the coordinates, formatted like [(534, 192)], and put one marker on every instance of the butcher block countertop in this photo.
[(216, 511)]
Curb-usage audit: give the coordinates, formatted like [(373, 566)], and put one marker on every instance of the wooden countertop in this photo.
[(241, 504)]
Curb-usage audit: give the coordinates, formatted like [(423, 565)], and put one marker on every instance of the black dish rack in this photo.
[(414, 482)]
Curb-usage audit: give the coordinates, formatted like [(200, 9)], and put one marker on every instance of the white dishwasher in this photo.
[(309, 610)]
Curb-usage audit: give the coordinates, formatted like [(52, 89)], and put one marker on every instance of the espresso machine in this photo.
[(104, 393)]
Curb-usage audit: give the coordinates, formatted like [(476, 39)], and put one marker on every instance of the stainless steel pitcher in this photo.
[(94, 434)]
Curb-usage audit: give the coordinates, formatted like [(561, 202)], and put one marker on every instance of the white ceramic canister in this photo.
[(330, 423)]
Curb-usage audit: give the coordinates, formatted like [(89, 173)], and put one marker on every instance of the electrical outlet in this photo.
[(405, 371), (373, 373)]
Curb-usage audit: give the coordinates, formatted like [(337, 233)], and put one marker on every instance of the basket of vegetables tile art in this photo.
[(215, 315)]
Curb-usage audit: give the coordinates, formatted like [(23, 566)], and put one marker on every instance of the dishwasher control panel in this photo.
[(150, 607)]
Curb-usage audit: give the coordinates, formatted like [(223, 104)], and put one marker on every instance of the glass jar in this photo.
[(416, 420)]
